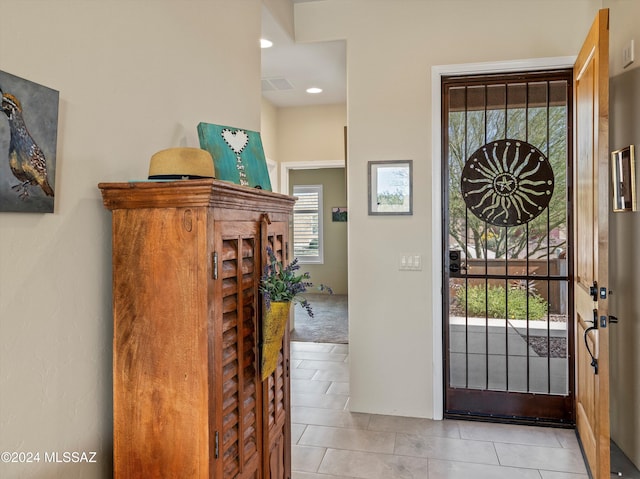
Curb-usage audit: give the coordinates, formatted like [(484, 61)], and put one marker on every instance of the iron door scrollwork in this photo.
[(507, 182)]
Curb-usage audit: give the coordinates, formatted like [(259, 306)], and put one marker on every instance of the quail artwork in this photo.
[(26, 159)]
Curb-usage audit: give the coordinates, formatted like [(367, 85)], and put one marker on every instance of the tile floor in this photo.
[(330, 442)]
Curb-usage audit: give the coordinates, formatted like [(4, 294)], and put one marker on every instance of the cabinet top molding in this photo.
[(191, 193)]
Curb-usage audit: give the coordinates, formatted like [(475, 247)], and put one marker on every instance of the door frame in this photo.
[(283, 187), (437, 72), (287, 166)]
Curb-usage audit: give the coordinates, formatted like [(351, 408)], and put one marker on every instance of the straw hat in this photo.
[(181, 164)]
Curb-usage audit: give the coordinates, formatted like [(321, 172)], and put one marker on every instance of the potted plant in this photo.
[(281, 286)]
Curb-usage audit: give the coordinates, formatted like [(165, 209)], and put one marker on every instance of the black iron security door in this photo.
[(506, 239)]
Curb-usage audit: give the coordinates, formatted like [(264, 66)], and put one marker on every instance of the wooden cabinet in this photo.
[(188, 401)]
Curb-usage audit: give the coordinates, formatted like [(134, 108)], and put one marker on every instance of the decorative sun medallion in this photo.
[(507, 182)]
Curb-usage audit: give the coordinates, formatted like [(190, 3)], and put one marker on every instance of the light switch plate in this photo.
[(410, 262)]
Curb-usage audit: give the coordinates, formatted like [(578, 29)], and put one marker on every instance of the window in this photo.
[(307, 224)]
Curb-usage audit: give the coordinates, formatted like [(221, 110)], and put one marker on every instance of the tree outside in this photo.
[(546, 235)]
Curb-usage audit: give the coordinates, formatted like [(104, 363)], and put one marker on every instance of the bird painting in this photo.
[(26, 159)]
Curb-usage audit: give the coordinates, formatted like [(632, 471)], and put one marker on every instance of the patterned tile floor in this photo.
[(330, 442)]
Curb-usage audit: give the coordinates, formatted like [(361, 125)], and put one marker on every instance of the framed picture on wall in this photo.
[(28, 145), (339, 214), (390, 187), (623, 176)]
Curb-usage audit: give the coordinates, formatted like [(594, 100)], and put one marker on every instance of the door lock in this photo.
[(455, 262), (593, 291)]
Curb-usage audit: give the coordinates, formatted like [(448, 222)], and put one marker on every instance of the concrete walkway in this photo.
[(484, 350)]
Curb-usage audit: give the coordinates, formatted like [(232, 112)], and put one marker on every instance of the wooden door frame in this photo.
[(437, 72)]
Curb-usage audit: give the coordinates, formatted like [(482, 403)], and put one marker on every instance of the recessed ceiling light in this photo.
[(264, 43), (314, 90)]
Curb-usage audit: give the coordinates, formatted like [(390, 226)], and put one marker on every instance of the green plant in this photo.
[(498, 302), (284, 284)]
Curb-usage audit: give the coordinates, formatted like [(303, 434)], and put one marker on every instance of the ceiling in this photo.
[(289, 68)]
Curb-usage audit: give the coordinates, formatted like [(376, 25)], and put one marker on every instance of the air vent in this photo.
[(271, 84), (267, 86)]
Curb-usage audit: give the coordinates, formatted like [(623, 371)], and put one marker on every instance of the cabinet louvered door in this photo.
[(276, 423), (237, 386)]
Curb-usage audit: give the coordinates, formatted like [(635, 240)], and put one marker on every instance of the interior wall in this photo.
[(624, 230), (268, 129), (282, 12), (311, 133), (134, 77), (624, 275), (623, 27), (268, 134), (333, 272), (389, 111)]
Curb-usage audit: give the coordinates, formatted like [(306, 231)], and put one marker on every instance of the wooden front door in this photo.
[(591, 84)]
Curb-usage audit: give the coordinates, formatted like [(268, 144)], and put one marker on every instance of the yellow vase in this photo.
[(274, 322)]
